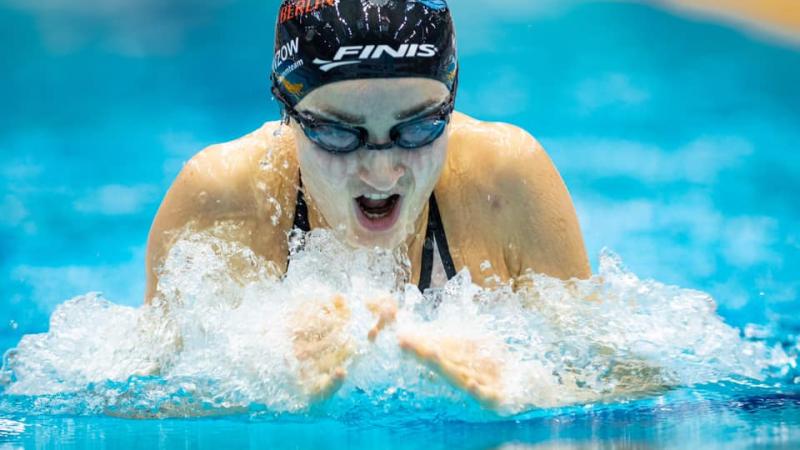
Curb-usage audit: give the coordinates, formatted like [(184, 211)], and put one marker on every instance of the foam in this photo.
[(217, 338)]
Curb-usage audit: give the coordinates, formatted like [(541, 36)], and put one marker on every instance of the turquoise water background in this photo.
[(677, 137)]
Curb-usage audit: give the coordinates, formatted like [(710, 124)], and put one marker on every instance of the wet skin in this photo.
[(340, 184), (500, 197)]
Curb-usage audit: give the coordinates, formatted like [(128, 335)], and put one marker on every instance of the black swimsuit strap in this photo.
[(434, 231), (301, 212)]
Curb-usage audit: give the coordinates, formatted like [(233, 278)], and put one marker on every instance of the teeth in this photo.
[(377, 196)]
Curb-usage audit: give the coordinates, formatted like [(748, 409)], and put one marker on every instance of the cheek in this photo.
[(426, 164), (315, 163)]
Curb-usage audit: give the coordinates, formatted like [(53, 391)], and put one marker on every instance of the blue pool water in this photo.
[(676, 136)]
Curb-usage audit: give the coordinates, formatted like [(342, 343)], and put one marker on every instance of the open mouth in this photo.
[(378, 212)]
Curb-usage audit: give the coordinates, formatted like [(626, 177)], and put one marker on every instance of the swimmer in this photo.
[(370, 147)]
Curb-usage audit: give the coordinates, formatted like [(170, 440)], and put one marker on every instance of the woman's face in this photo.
[(372, 197)]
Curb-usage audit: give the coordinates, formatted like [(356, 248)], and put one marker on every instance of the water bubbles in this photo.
[(10, 428), (265, 165), (278, 211), (219, 337), (6, 370), (754, 331)]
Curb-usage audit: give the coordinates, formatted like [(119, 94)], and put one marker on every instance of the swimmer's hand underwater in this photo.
[(322, 345), (468, 364), (324, 349), (479, 366), (385, 309)]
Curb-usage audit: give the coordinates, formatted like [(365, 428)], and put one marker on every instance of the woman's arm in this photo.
[(240, 191), (543, 231)]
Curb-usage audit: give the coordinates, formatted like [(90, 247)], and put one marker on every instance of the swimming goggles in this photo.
[(339, 138)]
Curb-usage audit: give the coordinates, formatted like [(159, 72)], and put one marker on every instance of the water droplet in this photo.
[(275, 217)]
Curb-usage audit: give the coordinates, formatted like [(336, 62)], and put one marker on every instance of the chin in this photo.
[(388, 240)]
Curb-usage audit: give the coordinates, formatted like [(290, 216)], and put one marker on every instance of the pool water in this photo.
[(730, 423), (675, 135)]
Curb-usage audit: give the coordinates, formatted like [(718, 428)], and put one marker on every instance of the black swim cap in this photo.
[(323, 41)]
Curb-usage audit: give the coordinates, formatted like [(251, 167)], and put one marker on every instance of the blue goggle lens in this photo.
[(333, 138), (343, 139), (418, 133)]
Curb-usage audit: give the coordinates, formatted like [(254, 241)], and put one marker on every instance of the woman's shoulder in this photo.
[(491, 152), (243, 178), (270, 148), (262, 162), (502, 185), (242, 190)]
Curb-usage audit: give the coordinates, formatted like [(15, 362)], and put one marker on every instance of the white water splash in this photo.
[(218, 337)]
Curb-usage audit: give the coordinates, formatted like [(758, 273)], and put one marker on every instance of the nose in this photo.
[(380, 169)]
